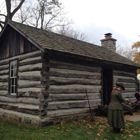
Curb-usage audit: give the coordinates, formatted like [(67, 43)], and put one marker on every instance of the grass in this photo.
[(76, 130)]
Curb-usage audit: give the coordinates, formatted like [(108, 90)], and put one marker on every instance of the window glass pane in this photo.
[(11, 73), (12, 66), (15, 72), (12, 89), (12, 81), (15, 64), (15, 89), (15, 81)]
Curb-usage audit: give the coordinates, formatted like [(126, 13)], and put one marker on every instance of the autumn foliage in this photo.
[(136, 46)]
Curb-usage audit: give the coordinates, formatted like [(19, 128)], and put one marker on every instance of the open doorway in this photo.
[(107, 85)]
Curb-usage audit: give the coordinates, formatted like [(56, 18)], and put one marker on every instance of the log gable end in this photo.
[(13, 44)]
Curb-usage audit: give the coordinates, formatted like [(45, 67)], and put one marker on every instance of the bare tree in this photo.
[(23, 15), (9, 12), (126, 52), (70, 32), (44, 14)]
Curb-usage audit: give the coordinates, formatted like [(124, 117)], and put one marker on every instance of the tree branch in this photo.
[(8, 7), (1, 26), (53, 17), (2, 22), (3, 15), (17, 8)]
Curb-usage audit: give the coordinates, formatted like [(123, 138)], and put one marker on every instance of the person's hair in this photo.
[(117, 86)]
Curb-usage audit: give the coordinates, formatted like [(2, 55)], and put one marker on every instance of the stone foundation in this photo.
[(63, 119), (36, 121), (19, 117)]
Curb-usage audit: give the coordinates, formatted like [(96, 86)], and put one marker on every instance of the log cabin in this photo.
[(46, 78)]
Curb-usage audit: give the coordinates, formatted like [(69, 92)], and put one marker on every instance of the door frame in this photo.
[(107, 84)]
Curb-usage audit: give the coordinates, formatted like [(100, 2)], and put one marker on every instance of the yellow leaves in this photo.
[(99, 134), (89, 126), (137, 57), (67, 130), (130, 135), (61, 123), (136, 45), (89, 133), (98, 130), (124, 137), (58, 128), (101, 130), (128, 123), (134, 132), (138, 71)]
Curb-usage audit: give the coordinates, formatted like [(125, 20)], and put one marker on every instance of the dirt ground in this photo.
[(135, 117)]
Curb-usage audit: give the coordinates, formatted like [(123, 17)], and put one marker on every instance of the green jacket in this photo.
[(116, 100)]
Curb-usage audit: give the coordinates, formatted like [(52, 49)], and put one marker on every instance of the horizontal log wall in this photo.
[(29, 85), (129, 81), (68, 86)]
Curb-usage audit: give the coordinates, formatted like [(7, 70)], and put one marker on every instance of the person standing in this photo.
[(115, 110)]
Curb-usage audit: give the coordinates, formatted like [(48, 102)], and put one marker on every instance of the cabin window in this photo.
[(13, 77)]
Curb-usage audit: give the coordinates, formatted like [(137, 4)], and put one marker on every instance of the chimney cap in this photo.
[(108, 34)]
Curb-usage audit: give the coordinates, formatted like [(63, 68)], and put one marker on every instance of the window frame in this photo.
[(13, 77)]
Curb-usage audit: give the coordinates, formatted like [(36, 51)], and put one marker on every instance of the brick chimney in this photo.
[(109, 42)]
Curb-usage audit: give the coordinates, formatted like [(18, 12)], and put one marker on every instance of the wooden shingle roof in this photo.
[(52, 41)]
